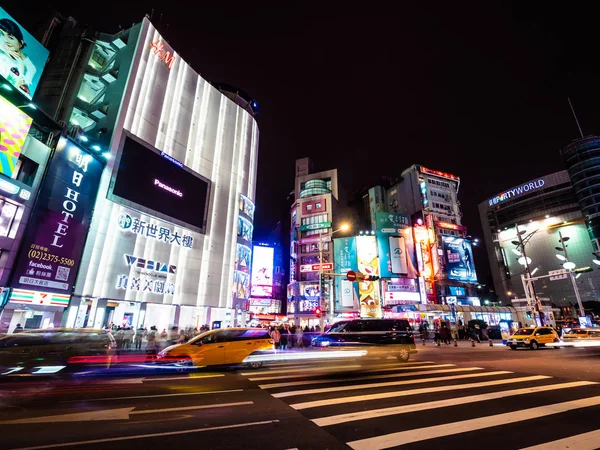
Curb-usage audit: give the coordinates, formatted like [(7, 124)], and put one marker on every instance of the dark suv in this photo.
[(380, 337)]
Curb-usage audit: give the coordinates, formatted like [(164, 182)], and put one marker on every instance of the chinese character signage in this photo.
[(459, 259), (160, 233), (146, 275), (55, 235), (345, 260), (391, 222), (22, 57), (14, 127), (315, 226), (368, 264)]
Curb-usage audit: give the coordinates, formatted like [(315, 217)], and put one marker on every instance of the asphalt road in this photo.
[(445, 397)]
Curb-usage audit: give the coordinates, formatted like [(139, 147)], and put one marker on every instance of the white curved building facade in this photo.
[(143, 265)]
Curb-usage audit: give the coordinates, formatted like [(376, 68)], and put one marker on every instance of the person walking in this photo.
[(276, 336), (285, 337), (151, 340), (299, 343), (137, 339), (127, 338)]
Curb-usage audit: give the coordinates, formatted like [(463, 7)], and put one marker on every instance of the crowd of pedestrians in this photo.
[(128, 338), (286, 337)]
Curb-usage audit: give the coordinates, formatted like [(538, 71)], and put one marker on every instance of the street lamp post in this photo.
[(344, 227), (527, 269), (571, 275)]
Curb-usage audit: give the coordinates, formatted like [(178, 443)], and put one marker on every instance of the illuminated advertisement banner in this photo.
[(261, 284), (309, 296), (22, 57), (243, 257), (55, 235), (391, 222), (424, 258), (315, 226), (368, 264), (14, 127), (247, 206), (146, 275), (397, 254), (346, 259), (401, 291), (437, 173), (459, 259), (449, 226), (38, 298)]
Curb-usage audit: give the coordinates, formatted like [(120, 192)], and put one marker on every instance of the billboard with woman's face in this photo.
[(22, 57)]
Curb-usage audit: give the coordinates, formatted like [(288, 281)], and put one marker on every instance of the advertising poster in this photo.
[(14, 127), (459, 259), (397, 254), (309, 296), (241, 284), (242, 258), (401, 291), (368, 264), (246, 206), (245, 229), (261, 284), (345, 260), (54, 237), (22, 57)]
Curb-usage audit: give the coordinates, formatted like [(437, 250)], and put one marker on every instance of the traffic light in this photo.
[(318, 312), (528, 314), (371, 278), (323, 283)]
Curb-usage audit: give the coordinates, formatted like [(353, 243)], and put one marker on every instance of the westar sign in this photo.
[(515, 192)]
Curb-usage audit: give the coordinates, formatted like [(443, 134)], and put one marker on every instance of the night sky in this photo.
[(477, 89)]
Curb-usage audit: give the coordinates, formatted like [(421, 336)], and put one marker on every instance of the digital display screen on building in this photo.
[(261, 284), (14, 127), (459, 259), (22, 57), (144, 178)]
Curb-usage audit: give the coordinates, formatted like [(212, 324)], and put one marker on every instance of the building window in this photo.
[(7, 215), (25, 170), (318, 206), (309, 207)]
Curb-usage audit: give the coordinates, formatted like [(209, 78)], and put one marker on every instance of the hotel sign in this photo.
[(517, 191)]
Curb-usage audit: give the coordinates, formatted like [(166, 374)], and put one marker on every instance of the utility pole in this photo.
[(573, 281), (534, 294), (321, 284)]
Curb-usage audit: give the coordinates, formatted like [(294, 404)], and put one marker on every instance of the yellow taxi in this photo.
[(219, 347), (581, 333), (532, 337)]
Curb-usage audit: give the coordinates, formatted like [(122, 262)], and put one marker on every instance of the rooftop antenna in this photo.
[(575, 117)]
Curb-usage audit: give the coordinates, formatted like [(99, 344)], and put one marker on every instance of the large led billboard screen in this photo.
[(459, 259), (22, 57), (14, 127), (148, 178), (261, 284)]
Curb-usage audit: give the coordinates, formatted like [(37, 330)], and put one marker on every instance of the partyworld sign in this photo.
[(517, 191)]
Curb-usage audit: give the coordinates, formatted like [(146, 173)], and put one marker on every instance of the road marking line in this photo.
[(369, 377), (184, 378), (397, 410), (189, 408), (465, 426), (387, 369), (316, 369), (386, 384), (149, 396), (145, 436), (585, 441), (363, 398)]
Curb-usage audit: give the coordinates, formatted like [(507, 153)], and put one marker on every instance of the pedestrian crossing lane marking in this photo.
[(585, 441), (429, 390), (294, 369), (387, 369), (466, 426), (385, 384), (397, 410), (369, 377)]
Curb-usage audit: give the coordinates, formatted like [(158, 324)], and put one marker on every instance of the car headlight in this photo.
[(526, 340), (324, 343)]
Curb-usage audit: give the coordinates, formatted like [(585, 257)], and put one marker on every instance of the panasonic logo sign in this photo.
[(161, 185), (515, 192)]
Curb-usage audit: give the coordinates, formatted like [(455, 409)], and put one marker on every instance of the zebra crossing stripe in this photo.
[(585, 441), (396, 410), (465, 426), (429, 390), (387, 383), (368, 377), (395, 369)]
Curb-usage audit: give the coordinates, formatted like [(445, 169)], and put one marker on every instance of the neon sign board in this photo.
[(515, 192), (165, 56), (439, 174), (449, 226), (167, 188), (137, 226)]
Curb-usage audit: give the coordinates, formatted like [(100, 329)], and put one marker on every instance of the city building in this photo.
[(543, 209), (41, 183), (582, 160), (170, 239), (313, 222)]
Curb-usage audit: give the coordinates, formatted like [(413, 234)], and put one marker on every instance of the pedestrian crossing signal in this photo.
[(318, 312)]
